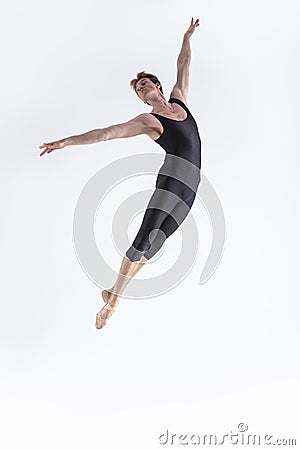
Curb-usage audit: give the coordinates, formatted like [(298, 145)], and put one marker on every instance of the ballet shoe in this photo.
[(104, 294), (101, 321)]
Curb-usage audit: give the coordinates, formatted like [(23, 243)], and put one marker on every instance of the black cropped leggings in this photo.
[(169, 205)]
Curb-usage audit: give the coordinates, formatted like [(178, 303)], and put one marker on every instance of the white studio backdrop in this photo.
[(200, 358)]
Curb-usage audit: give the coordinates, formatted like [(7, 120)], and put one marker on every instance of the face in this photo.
[(144, 86)]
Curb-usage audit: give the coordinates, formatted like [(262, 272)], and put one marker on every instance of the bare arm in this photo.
[(180, 89), (134, 127)]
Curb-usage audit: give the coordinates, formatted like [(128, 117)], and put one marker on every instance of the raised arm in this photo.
[(134, 127), (181, 87)]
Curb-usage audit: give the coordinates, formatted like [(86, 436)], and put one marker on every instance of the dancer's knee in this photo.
[(146, 247), (157, 238), (138, 249)]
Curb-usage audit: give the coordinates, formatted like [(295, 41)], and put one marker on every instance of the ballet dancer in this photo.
[(171, 125)]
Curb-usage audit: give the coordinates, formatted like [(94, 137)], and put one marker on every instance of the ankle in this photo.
[(113, 299)]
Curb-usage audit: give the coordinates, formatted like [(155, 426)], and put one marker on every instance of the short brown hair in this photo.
[(144, 74)]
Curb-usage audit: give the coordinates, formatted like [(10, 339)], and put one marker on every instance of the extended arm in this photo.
[(183, 64), (134, 127), (131, 128)]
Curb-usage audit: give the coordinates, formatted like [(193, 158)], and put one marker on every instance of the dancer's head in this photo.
[(146, 84)]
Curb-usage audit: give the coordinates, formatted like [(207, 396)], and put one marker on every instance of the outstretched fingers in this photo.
[(50, 146), (192, 27)]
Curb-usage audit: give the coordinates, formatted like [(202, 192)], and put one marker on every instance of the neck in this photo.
[(159, 104)]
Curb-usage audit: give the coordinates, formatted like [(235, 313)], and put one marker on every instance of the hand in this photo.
[(191, 28), (50, 146)]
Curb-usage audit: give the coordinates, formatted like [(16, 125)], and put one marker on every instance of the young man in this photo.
[(171, 125)]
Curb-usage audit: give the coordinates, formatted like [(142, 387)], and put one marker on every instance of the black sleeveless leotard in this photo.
[(176, 184)]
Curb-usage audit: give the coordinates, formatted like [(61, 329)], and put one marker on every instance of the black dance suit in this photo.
[(176, 184)]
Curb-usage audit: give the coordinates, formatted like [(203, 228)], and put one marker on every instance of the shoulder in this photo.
[(144, 118), (151, 125), (177, 93), (147, 119)]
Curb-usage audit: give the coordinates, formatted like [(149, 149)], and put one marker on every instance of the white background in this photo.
[(201, 358)]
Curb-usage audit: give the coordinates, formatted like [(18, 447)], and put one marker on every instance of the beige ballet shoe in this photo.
[(105, 296), (101, 321)]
